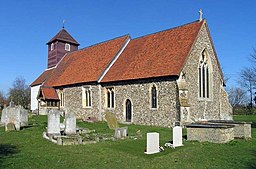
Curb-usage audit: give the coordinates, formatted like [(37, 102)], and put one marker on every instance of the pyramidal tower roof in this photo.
[(63, 35)]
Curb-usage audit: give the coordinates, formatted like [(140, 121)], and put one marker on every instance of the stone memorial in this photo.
[(70, 124), (53, 125), (177, 136), (152, 143), (16, 115), (111, 120)]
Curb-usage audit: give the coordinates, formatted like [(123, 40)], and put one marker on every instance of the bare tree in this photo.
[(3, 99), (248, 82), (20, 92), (237, 96)]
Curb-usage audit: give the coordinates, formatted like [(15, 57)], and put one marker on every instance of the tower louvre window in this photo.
[(52, 46), (67, 47)]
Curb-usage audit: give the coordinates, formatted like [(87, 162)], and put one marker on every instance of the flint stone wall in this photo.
[(139, 93), (73, 101), (217, 107)]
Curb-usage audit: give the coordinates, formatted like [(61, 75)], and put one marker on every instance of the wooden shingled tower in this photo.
[(59, 45)]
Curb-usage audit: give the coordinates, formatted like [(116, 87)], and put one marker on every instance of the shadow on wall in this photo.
[(252, 162), (6, 151)]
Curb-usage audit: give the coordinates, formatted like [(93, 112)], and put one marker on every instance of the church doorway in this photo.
[(128, 110)]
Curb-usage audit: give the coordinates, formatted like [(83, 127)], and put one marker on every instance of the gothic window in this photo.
[(110, 94), (67, 47), (153, 97), (204, 76), (52, 46), (86, 97)]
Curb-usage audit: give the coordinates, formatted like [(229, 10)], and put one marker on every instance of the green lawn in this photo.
[(28, 149)]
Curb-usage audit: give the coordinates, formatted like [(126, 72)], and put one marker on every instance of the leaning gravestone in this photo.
[(70, 124), (53, 125), (152, 143), (111, 120), (177, 136)]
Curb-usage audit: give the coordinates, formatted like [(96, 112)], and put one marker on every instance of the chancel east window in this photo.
[(153, 97), (204, 76), (86, 97), (110, 93)]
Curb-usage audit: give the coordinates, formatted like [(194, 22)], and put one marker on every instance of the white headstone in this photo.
[(53, 126), (152, 143), (70, 123), (177, 136)]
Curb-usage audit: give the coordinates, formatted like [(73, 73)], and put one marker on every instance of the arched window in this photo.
[(153, 97), (110, 94), (52, 46), (86, 97), (204, 76), (67, 47)]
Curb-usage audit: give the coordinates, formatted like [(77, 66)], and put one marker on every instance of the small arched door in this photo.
[(128, 110)]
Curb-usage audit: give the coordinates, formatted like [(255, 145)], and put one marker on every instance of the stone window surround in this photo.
[(150, 97), (112, 101), (67, 47), (86, 99), (206, 62)]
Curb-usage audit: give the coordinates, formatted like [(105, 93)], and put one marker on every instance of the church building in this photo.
[(167, 77)]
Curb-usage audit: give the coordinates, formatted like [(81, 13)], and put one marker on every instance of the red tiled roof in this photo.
[(86, 65), (49, 93), (63, 35), (45, 75), (160, 54)]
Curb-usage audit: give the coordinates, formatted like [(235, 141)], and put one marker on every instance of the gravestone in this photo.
[(121, 132), (70, 124), (111, 120), (152, 143), (53, 125), (177, 136), (10, 127), (16, 115)]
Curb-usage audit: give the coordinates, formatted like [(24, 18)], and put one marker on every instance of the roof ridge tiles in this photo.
[(176, 27)]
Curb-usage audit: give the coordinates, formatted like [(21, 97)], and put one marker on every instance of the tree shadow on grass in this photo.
[(6, 151), (252, 163)]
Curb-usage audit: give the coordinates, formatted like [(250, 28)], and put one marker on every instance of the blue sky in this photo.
[(27, 25)]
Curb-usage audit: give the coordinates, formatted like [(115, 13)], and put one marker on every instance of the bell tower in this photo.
[(59, 45)]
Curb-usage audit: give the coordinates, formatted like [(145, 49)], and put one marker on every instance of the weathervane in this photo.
[(201, 15), (63, 23)]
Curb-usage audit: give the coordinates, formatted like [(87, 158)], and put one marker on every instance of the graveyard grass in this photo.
[(28, 149)]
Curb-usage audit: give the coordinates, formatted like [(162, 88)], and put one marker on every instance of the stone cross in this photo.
[(200, 15)]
